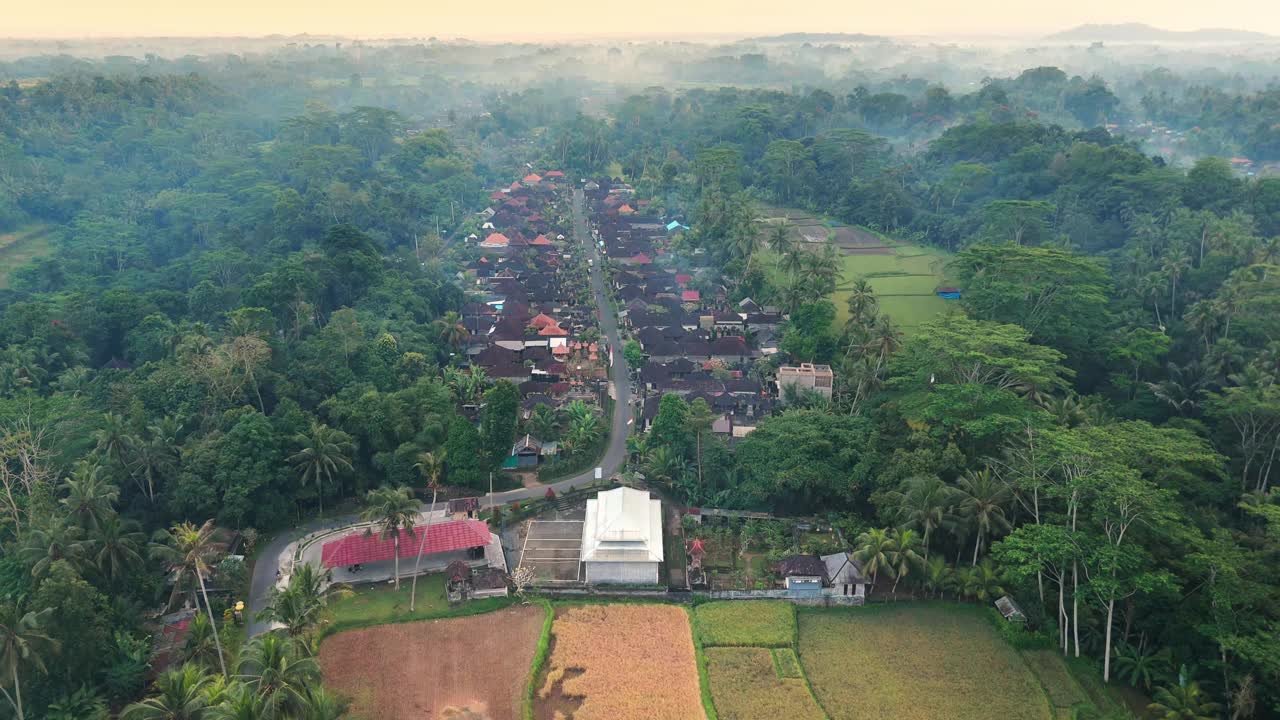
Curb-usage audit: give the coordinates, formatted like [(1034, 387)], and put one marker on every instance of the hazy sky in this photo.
[(533, 18)]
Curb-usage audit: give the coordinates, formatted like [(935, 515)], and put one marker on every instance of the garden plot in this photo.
[(759, 623), (915, 662), (620, 662), (432, 669)]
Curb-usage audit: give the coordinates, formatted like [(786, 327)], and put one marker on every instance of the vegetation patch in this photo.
[(618, 662), (478, 665), (1055, 677), (786, 664), (757, 623), (383, 604), (915, 662), (21, 247), (746, 686)]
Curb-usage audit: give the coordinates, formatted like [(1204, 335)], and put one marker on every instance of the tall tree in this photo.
[(23, 644), (190, 550), (394, 511), (324, 451)]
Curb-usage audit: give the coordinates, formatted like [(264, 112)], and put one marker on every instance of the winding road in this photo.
[(269, 560)]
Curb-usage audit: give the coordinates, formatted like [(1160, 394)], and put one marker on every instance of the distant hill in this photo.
[(1140, 33), (803, 37)]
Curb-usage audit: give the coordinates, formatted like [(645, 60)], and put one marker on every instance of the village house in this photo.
[(622, 538), (806, 376)]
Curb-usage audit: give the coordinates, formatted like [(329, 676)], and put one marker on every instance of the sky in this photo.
[(545, 19)]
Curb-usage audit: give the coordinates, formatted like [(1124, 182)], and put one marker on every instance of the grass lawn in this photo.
[(915, 662), (759, 623), (382, 603), (21, 247), (746, 686)]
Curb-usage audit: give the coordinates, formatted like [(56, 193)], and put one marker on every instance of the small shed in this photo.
[(803, 575), (1008, 607), (844, 572), (525, 453), (489, 582)]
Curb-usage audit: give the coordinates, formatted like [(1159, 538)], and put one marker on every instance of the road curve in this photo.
[(268, 563)]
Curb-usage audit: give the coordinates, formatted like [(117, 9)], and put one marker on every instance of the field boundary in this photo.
[(473, 607), (540, 654), (700, 659)]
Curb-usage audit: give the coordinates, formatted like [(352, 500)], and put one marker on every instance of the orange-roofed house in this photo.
[(540, 241), (553, 331), (554, 174), (495, 241), (690, 296), (531, 179), (542, 320), (626, 210)]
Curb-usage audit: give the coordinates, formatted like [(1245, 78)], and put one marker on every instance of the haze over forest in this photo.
[(337, 340)]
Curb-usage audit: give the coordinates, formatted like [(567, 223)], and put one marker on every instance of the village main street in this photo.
[(272, 560)]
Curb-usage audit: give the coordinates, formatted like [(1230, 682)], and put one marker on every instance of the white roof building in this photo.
[(622, 538)]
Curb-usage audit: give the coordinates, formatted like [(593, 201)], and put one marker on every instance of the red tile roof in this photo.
[(554, 174), (553, 330), (690, 296), (626, 210), (540, 241), (443, 537), (641, 259), (532, 178), (496, 240), (683, 279), (542, 320)]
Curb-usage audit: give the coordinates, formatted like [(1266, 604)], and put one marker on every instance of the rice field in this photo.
[(620, 662), (1063, 690), (745, 685), (759, 623), (915, 662), (21, 247)]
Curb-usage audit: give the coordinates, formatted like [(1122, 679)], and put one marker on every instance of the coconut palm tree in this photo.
[(23, 644), (324, 452), (394, 511), (182, 696), (1184, 701), (935, 575), (239, 702), (274, 668), (116, 546), (922, 503), (450, 330), (861, 302), (982, 499), (90, 497), (982, 582), (429, 466), (189, 550), (156, 457), (114, 440), (200, 646), (300, 605), (321, 704), (875, 548), (779, 239), (664, 465), (57, 539), (905, 555)]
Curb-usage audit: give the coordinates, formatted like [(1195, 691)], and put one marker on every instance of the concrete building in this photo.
[(806, 376), (622, 538)]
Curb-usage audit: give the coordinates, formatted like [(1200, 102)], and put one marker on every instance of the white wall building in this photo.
[(622, 538)]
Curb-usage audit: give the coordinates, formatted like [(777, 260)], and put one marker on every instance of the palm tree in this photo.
[(240, 702), (321, 704), (936, 575), (1139, 667), (58, 539), (1184, 701), (982, 500), (780, 239), (450, 330), (300, 605), (324, 451), (904, 555), (861, 302), (201, 646), (90, 497), (22, 643), (181, 697), (542, 422), (429, 465), (1174, 267), (272, 666), (875, 548), (583, 433), (113, 440), (982, 582), (156, 456), (117, 547), (395, 511), (664, 464), (922, 503), (187, 549)]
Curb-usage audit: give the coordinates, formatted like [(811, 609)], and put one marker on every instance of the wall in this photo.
[(622, 573)]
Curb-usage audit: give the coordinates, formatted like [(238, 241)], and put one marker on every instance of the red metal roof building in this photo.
[(443, 537)]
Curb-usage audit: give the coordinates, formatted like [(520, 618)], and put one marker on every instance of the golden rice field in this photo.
[(620, 662), (745, 685), (915, 662)]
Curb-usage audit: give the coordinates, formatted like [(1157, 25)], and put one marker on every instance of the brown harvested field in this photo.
[(436, 668), (620, 662)]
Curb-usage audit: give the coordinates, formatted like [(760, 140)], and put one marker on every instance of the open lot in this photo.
[(552, 548), (408, 671), (759, 623), (620, 662), (746, 685), (915, 662)]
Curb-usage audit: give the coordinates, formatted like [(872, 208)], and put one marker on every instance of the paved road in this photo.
[(264, 570)]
